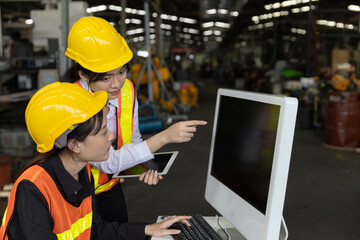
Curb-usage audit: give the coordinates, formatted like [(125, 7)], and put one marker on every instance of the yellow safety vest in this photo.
[(124, 122)]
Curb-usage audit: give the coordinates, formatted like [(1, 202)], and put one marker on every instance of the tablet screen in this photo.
[(160, 163)]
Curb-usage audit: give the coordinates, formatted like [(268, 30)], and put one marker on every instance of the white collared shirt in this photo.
[(128, 155)]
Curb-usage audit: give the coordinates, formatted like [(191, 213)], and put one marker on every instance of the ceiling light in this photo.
[(223, 11), (276, 5), (187, 20), (222, 24), (165, 26), (96, 9), (135, 31), (211, 11), (354, 8), (29, 21), (143, 53), (208, 24), (115, 8), (207, 33)]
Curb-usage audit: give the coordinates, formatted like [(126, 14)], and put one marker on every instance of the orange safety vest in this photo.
[(124, 114), (69, 222)]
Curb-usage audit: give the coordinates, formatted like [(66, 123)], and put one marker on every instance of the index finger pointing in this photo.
[(195, 122)]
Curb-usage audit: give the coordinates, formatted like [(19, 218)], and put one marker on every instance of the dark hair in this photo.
[(72, 75), (90, 127)]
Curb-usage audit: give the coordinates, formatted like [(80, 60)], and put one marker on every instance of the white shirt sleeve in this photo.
[(128, 155)]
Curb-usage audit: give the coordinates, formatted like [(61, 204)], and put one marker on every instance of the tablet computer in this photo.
[(161, 163)]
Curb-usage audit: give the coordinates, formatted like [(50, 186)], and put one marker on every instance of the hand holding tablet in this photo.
[(160, 163)]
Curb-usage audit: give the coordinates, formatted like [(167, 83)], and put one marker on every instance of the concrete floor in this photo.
[(323, 192)]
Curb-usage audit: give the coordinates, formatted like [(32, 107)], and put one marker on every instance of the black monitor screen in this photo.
[(244, 148)]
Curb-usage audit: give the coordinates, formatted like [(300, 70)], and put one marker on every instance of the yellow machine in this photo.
[(340, 82)]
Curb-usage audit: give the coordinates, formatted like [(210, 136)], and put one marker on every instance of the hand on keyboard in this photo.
[(199, 229), (163, 228)]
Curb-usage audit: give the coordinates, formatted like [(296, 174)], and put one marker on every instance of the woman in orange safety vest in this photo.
[(53, 196), (102, 58)]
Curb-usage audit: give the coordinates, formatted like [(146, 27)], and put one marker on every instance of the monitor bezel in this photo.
[(248, 220)]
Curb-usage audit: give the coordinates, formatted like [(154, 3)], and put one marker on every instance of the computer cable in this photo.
[(285, 228), (224, 229)]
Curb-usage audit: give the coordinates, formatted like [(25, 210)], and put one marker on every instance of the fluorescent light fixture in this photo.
[(269, 24), (133, 21), (187, 20), (29, 21), (340, 25), (222, 24), (135, 31), (218, 39), (115, 8), (354, 8), (208, 24), (193, 31), (96, 9), (349, 26), (168, 17), (141, 12), (154, 15), (143, 53), (276, 5), (287, 3), (305, 9), (335, 24), (223, 11), (217, 32), (255, 19), (151, 24), (211, 11), (135, 11), (208, 32), (295, 10), (234, 13), (165, 26), (152, 36)]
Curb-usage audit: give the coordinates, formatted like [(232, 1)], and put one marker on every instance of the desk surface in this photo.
[(213, 222)]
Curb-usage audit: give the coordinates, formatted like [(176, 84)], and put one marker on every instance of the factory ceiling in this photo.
[(220, 22)]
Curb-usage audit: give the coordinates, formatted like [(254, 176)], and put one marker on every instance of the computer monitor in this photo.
[(249, 160)]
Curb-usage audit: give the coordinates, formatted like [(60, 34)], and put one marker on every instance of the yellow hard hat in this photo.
[(56, 107), (96, 45)]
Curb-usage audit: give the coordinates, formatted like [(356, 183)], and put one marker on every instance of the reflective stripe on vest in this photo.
[(70, 222), (76, 228), (124, 115)]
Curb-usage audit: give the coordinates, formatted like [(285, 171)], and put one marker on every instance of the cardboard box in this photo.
[(339, 56)]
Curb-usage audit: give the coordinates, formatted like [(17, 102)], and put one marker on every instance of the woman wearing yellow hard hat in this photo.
[(53, 196), (101, 58)]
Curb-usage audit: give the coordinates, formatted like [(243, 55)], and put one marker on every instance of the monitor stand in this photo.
[(235, 234)]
